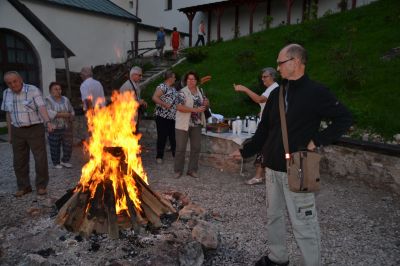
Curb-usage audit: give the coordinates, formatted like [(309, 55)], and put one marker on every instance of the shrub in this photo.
[(246, 60), (196, 55)]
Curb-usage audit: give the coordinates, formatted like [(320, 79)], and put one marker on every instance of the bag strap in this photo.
[(283, 124)]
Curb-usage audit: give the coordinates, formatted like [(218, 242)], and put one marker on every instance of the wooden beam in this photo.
[(252, 5), (353, 4), (190, 15), (236, 21), (289, 4), (219, 11), (69, 94), (209, 26)]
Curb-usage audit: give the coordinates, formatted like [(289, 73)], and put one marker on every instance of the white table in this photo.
[(238, 139)]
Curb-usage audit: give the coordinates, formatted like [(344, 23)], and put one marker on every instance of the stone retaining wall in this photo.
[(376, 169)]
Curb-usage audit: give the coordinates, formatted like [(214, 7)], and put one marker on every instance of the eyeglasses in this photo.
[(138, 74), (265, 76), (279, 63)]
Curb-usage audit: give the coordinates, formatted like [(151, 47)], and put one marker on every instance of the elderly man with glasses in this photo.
[(306, 104)]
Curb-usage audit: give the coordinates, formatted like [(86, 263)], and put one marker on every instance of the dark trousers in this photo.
[(200, 38), (165, 129), (57, 139), (23, 140), (194, 136)]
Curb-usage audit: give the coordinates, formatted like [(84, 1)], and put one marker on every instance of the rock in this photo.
[(205, 233), (365, 137), (397, 138), (159, 260), (191, 254), (192, 211), (33, 211), (35, 260), (377, 165)]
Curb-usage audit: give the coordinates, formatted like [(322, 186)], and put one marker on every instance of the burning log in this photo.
[(113, 192), (87, 214)]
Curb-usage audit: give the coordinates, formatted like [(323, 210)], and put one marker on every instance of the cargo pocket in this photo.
[(305, 207)]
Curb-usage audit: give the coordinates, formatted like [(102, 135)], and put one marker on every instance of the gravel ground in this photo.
[(359, 225)]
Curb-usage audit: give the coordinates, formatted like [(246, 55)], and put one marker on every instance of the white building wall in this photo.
[(94, 39), (152, 12), (8, 18)]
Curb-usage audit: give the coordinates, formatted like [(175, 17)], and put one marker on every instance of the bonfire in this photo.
[(113, 191)]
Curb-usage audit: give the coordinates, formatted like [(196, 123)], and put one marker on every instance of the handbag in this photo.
[(302, 166), (207, 112)]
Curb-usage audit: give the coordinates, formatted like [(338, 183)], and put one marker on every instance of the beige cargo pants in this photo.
[(302, 215)]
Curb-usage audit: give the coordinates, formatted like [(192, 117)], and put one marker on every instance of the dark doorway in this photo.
[(17, 54)]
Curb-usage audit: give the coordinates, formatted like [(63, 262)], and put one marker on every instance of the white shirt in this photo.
[(23, 107), (127, 86), (266, 94), (93, 89)]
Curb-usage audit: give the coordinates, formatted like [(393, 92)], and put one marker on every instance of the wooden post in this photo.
[(289, 4), (219, 12), (252, 6), (236, 21), (268, 11), (209, 27), (353, 4), (190, 15), (67, 74)]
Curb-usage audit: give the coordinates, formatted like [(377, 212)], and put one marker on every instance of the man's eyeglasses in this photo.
[(138, 74), (265, 76), (279, 63)]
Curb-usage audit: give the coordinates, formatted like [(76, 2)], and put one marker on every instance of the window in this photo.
[(131, 4), (17, 54), (168, 4)]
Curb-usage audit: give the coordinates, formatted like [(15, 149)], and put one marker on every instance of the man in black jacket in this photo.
[(306, 104)]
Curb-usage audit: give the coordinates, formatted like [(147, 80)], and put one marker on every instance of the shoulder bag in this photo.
[(302, 166)]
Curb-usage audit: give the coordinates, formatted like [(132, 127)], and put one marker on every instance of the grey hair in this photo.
[(9, 73), (295, 50), (271, 71), (135, 70), (168, 74), (87, 71)]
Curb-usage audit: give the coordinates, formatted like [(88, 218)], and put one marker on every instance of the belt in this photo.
[(29, 126)]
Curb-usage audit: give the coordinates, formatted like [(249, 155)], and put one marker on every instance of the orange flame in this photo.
[(112, 126)]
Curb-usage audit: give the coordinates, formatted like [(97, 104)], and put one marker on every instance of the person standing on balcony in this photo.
[(160, 41), (25, 113), (201, 33)]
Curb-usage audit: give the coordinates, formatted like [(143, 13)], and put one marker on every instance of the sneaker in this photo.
[(41, 191), (254, 181), (177, 175), (58, 166), (22, 192), (265, 261), (66, 165), (159, 160), (193, 174)]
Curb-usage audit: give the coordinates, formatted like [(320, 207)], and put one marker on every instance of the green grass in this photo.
[(350, 42), (3, 130)]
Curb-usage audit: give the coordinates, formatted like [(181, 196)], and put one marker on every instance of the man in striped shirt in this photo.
[(25, 113)]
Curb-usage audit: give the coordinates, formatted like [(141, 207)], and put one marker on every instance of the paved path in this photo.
[(359, 225)]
